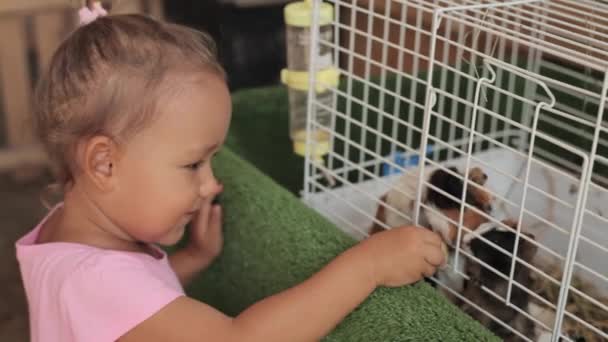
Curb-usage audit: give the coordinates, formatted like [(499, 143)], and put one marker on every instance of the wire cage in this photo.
[(516, 89)]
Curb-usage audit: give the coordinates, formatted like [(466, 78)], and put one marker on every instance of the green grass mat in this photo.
[(259, 133)]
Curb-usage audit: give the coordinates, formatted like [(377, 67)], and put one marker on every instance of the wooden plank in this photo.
[(12, 7), (8, 7), (20, 158), (50, 29), (15, 80), (127, 6)]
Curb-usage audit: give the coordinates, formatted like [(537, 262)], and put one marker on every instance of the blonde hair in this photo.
[(109, 77)]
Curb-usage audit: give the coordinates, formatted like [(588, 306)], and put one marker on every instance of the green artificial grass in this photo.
[(259, 133), (273, 242)]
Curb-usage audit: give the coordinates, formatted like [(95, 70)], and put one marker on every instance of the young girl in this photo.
[(131, 112)]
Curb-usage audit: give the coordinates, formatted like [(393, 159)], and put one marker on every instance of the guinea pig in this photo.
[(480, 275), (453, 185), (402, 199)]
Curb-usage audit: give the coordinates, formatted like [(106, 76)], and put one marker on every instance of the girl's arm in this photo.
[(310, 310), (306, 312)]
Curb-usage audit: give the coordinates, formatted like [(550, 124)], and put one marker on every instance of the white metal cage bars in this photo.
[(574, 238), (547, 46), (310, 111), (430, 102), (413, 88)]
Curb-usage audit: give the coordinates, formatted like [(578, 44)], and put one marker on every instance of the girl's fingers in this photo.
[(202, 219), (215, 218), (429, 270), (433, 238), (435, 256)]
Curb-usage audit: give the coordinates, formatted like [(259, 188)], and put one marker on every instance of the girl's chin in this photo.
[(173, 237)]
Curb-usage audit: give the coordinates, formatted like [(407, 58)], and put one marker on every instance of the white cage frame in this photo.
[(553, 40)]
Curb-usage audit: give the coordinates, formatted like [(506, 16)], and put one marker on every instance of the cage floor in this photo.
[(549, 207)]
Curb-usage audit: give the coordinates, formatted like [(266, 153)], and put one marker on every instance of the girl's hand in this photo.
[(403, 255), (206, 238)]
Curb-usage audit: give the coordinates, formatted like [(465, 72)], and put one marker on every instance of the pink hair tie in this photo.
[(87, 15)]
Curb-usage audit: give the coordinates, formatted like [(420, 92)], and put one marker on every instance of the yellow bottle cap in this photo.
[(298, 80), (300, 14), (319, 147)]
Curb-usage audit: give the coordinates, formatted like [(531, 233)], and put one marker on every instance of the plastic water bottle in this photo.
[(298, 19)]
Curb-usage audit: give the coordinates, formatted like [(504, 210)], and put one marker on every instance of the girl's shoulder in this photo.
[(74, 256), (66, 261), (78, 284), (69, 265)]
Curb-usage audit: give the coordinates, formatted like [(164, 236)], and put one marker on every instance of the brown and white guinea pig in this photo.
[(482, 276), (402, 199)]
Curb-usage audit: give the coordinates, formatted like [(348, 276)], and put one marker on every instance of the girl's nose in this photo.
[(210, 187)]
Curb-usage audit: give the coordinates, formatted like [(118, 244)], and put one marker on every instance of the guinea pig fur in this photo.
[(482, 276), (402, 199)]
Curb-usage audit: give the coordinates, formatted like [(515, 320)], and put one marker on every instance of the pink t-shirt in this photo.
[(77, 292)]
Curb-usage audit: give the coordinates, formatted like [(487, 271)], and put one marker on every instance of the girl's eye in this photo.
[(195, 166)]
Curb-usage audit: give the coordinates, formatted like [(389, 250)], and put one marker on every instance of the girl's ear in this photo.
[(98, 156)]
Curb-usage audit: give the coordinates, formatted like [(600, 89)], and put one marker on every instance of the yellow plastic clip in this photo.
[(326, 78), (299, 14), (319, 148), (319, 145)]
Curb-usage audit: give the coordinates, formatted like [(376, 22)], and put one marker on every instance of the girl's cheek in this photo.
[(194, 186)]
